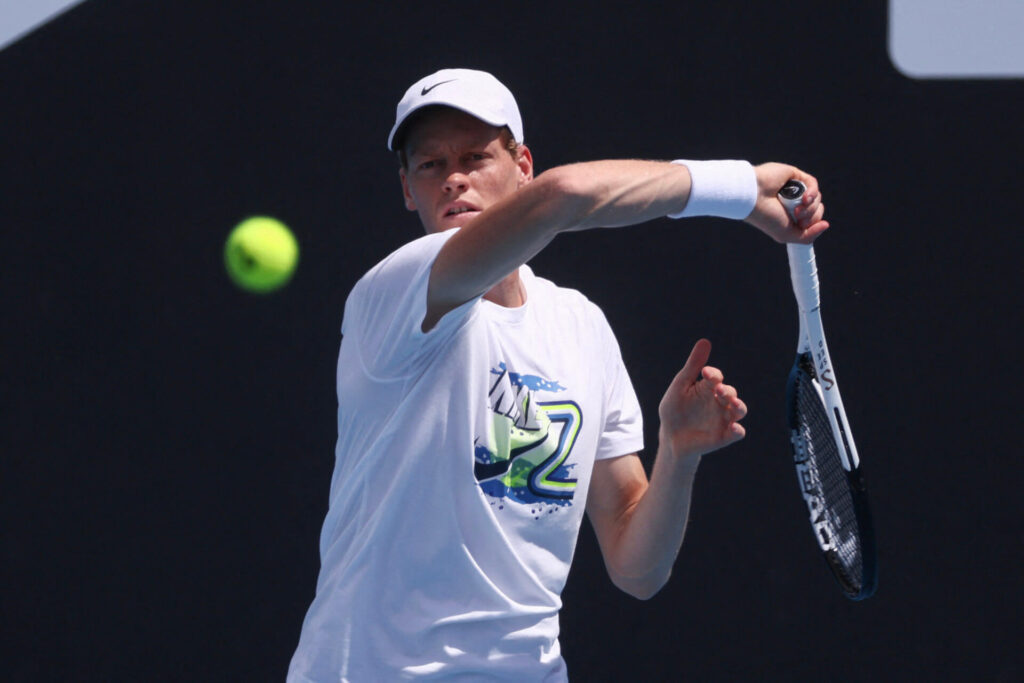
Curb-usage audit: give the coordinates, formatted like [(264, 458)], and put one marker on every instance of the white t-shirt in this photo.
[(463, 463)]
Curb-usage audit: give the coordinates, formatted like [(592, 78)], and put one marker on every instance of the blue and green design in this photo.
[(529, 443)]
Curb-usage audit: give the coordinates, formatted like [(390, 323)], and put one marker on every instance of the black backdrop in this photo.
[(167, 440)]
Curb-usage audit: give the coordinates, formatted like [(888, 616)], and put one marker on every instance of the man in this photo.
[(481, 407)]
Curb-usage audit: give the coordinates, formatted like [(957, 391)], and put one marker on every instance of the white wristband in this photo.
[(725, 188)]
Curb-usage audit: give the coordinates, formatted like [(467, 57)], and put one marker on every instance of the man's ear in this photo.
[(410, 203), (524, 161)]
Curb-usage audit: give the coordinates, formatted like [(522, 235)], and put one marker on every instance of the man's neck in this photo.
[(509, 293)]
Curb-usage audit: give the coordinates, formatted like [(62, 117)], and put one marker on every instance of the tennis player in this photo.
[(482, 407)]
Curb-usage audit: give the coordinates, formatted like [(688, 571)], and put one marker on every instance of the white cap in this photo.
[(477, 93)]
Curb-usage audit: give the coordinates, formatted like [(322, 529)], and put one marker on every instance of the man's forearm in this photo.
[(650, 537), (566, 198), (618, 193)]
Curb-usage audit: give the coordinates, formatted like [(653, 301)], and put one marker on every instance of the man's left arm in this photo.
[(640, 524)]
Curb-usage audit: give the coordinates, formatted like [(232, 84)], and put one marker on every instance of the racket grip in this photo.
[(802, 269)]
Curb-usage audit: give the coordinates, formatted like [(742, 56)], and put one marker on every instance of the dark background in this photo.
[(167, 440)]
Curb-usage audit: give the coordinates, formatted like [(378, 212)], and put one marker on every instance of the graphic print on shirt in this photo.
[(524, 456)]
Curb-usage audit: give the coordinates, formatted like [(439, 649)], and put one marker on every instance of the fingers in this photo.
[(810, 210), (812, 233), (685, 381), (732, 408), (712, 375), (810, 205), (724, 394), (808, 219), (698, 357), (809, 181), (737, 409)]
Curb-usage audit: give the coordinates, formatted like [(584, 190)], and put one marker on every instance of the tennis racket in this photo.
[(827, 465)]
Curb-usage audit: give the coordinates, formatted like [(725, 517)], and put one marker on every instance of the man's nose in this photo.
[(456, 180)]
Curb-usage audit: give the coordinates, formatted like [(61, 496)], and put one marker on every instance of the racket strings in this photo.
[(827, 475)]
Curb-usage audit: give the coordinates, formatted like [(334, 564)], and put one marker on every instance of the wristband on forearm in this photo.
[(725, 188)]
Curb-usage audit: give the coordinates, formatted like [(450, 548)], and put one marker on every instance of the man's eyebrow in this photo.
[(430, 149), (421, 150)]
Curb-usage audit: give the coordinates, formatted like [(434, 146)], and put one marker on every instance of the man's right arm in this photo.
[(590, 195)]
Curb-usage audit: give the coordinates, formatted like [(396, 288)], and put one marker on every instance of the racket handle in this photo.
[(802, 269)]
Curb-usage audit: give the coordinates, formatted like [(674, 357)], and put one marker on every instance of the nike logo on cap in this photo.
[(426, 89)]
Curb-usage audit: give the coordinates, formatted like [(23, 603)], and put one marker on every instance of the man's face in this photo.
[(457, 167)]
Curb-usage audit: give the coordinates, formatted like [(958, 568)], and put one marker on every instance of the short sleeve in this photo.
[(623, 429), (385, 310)]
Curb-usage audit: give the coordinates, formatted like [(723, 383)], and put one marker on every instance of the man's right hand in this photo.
[(770, 216)]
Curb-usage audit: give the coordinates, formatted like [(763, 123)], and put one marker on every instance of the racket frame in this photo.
[(804, 274)]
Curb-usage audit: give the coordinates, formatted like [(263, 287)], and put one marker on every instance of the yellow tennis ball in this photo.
[(261, 254)]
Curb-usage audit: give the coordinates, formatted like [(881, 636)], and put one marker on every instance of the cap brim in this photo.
[(398, 130)]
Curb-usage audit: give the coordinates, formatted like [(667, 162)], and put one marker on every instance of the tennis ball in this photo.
[(261, 254)]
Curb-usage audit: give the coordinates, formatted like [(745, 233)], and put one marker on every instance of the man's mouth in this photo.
[(455, 211)]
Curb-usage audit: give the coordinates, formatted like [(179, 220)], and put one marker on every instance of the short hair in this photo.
[(508, 141)]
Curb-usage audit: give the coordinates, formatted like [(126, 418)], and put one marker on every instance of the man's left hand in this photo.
[(699, 412)]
